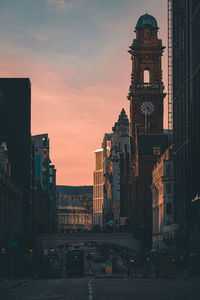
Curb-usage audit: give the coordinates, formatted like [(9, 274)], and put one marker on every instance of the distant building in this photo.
[(53, 197), (113, 175), (107, 192), (87, 202), (45, 174), (98, 193), (42, 159), (15, 131), (72, 216), (80, 216), (75, 190), (84, 194)]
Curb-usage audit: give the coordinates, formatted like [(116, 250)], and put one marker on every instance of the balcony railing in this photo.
[(148, 85), (143, 86)]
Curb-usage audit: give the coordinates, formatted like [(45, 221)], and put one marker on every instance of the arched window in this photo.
[(146, 76)]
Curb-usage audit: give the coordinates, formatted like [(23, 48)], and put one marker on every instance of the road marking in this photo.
[(90, 289)]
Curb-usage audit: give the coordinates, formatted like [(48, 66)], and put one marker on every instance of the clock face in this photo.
[(147, 108)]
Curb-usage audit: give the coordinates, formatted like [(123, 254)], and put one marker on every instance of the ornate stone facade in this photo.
[(162, 198), (73, 216), (113, 176), (146, 94), (146, 123), (10, 215)]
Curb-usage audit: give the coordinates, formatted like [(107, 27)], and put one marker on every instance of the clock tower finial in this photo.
[(146, 89)]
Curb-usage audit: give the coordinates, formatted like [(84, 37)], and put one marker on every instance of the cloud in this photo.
[(62, 4)]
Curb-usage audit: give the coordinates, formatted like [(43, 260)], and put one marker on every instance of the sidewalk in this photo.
[(6, 284)]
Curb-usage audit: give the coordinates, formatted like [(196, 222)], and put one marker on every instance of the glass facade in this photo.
[(186, 94)]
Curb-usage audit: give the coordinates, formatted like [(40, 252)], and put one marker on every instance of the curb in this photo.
[(110, 277), (14, 285)]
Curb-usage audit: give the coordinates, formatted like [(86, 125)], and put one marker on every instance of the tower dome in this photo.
[(146, 19)]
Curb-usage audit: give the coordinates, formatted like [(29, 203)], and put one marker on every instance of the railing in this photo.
[(148, 85)]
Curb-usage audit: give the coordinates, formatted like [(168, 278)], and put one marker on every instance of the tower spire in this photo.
[(146, 92)]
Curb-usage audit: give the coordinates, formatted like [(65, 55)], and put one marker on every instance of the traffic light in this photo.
[(147, 260), (30, 251), (51, 255), (108, 267)]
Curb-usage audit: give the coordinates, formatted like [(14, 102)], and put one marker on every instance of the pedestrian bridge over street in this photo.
[(46, 241)]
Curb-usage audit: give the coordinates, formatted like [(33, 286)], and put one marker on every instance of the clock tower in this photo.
[(146, 89), (148, 142)]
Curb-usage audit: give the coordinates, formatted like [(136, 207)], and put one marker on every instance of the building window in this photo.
[(169, 209), (156, 150), (168, 188), (44, 141), (168, 171), (146, 76)]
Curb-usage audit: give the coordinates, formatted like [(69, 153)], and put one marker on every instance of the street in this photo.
[(98, 288)]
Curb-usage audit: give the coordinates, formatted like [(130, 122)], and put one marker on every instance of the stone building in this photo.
[(100, 202), (84, 194), (45, 179), (72, 216), (113, 176), (162, 203), (98, 186), (42, 159), (11, 221), (146, 123)]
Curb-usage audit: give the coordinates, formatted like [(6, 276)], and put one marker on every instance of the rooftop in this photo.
[(146, 19)]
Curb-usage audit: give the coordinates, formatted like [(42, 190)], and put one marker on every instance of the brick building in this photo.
[(146, 122), (162, 199)]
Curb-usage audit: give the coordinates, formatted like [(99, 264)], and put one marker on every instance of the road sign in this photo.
[(110, 223), (108, 267), (13, 243), (122, 221)]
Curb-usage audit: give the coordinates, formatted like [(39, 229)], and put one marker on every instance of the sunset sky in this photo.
[(75, 54)]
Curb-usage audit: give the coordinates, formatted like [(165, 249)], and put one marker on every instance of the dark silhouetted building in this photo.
[(146, 122), (10, 217), (186, 122), (45, 173), (40, 209), (114, 201), (15, 131)]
